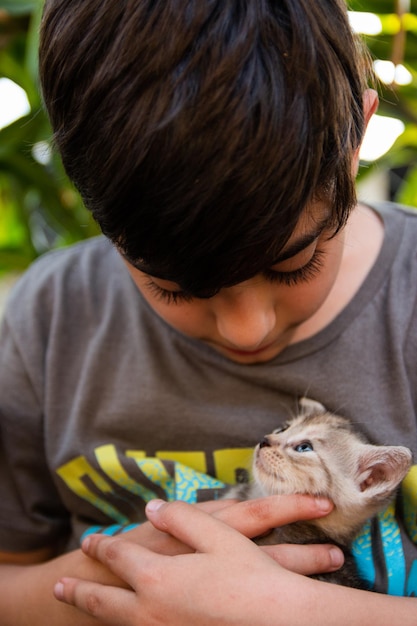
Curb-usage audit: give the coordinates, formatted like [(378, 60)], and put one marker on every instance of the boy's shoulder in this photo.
[(96, 252), (80, 253), (400, 222), (77, 270), (395, 210)]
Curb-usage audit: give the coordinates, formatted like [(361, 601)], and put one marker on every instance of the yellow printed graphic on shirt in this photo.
[(169, 474)]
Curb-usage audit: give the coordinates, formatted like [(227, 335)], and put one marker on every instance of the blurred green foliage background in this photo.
[(40, 209)]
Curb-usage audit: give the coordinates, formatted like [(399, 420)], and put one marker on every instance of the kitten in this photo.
[(318, 453)]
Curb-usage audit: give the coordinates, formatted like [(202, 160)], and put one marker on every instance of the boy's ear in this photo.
[(370, 105), (381, 469)]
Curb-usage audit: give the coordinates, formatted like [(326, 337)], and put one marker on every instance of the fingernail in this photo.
[(154, 505), (59, 591), (336, 558), (323, 504), (86, 544)]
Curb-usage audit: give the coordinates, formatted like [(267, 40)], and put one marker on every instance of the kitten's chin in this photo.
[(265, 483), (263, 470), (270, 483)]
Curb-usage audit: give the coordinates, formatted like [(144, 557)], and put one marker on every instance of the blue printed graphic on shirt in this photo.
[(185, 486), (387, 537)]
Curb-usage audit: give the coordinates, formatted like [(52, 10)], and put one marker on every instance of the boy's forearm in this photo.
[(330, 605), (26, 591), (274, 602)]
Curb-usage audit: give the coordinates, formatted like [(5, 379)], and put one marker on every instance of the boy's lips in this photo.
[(249, 352), (264, 352)]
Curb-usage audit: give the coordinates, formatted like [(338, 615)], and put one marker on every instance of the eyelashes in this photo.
[(167, 296), (301, 275), (295, 277)]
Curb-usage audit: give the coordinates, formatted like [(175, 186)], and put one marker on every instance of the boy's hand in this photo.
[(228, 579), (254, 518)]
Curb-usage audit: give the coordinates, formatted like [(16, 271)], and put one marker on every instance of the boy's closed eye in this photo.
[(301, 267)]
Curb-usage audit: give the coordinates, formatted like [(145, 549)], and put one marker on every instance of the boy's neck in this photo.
[(363, 237)]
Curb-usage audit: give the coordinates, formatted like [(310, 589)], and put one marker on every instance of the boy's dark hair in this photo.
[(197, 131)]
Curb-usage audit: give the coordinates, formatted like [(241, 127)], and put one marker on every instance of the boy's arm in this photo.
[(26, 558), (26, 583), (227, 581)]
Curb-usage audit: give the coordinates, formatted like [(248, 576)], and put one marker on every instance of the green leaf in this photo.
[(32, 45), (408, 191), (19, 7)]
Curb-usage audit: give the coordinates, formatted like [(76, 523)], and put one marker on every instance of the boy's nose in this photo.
[(246, 316)]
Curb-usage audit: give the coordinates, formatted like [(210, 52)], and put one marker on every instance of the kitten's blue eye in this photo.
[(306, 446)]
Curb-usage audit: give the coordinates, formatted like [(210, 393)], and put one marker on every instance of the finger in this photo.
[(163, 543), (191, 525), (107, 604), (307, 559), (256, 517), (212, 506), (128, 560)]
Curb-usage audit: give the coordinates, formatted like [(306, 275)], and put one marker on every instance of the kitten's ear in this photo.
[(381, 469), (309, 406)]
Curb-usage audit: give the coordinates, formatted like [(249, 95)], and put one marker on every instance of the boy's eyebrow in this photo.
[(303, 242)]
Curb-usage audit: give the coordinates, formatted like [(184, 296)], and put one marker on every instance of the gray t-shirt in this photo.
[(104, 406)]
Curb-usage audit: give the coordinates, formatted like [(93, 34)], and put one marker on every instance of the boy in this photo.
[(216, 144)]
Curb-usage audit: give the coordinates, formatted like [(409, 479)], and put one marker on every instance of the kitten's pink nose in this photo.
[(265, 443)]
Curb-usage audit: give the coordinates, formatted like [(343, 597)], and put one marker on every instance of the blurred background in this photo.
[(40, 209)]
